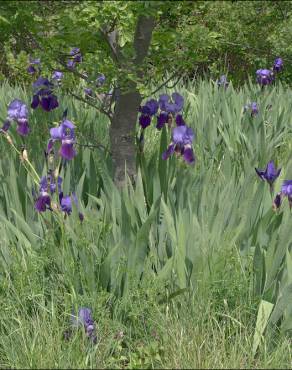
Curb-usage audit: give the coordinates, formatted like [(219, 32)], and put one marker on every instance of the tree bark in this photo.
[(123, 123)]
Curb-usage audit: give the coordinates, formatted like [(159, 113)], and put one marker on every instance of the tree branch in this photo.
[(111, 38), (142, 38), (165, 83), (103, 111)]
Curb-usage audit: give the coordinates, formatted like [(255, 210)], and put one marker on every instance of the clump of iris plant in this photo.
[(166, 108), (252, 107), (65, 133), (223, 81), (83, 319), (75, 57), (264, 77), (43, 95), (270, 174), (48, 186), (267, 76), (278, 65), (181, 143), (31, 69), (17, 111)]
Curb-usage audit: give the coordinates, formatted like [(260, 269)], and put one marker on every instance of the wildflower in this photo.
[(5, 126), (17, 111), (162, 119), (277, 201), (148, 111), (76, 57), (57, 76), (286, 190), (253, 107), (182, 138), (44, 95), (43, 202), (48, 187), (100, 80), (32, 62), (278, 65), (85, 319), (66, 204), (223, 81), (64, 133), (264, 76), (173, 105), (88, 92), (270, 174), (179, 120)]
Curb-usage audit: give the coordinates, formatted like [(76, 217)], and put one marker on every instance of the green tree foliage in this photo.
[(197, 37)]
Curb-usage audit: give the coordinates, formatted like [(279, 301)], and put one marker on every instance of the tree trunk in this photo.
[(123, 123), (122, 136)]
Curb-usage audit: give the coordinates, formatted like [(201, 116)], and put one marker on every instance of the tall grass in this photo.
[(187, 264)]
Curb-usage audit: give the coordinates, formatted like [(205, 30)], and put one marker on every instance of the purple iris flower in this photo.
[(43, 202), (31, 69), (182, 138), (223, 81), (162, 119), (64, 133), (144, 120), (85, 319), (57, 75), (76, 57), (264, 76), (173, 105), (277, 201), (17, 111), (100, 80), (148, 111), (22, 127), (44, 95), (66, 204), (88, 91), (36, 61), (47, 186), (270, 174), (48, 183), (278, 65), (286, 190), (179, 120), (5, 126), (253, 107)]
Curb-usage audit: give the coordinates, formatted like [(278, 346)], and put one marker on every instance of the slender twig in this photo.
[(176, 82), (163, 84), (91, 104), (92, 146)]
